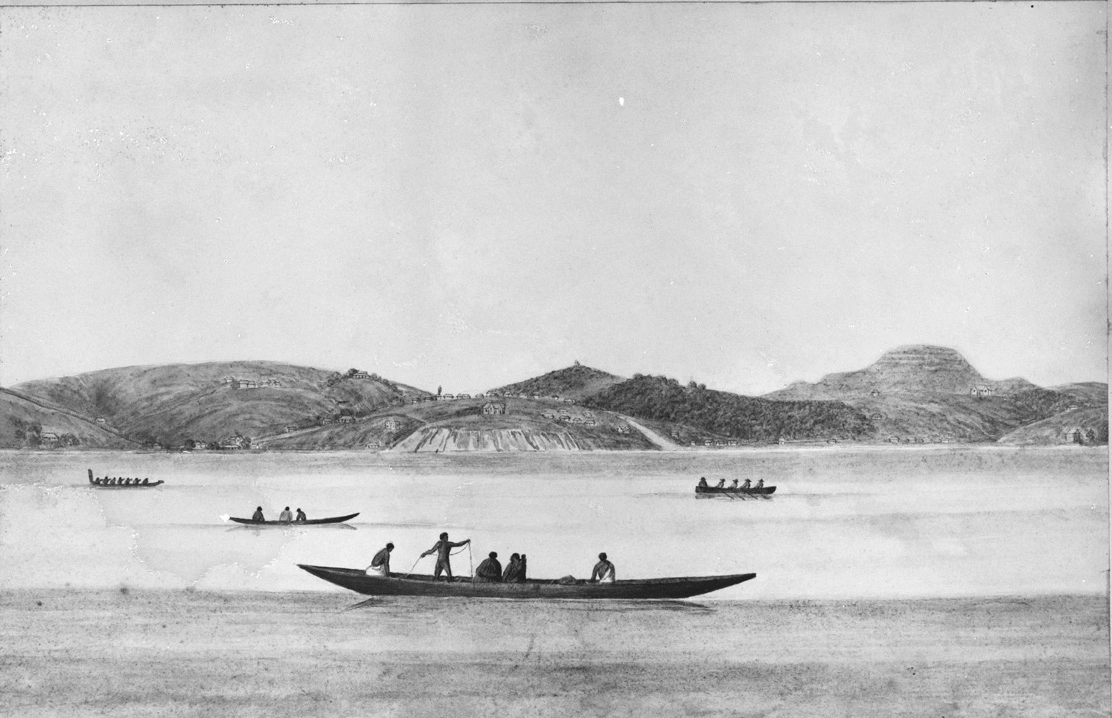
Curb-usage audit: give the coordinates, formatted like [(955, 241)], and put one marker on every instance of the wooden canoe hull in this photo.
[(397, 585), (98, 485), (310, 522), (763, 491)]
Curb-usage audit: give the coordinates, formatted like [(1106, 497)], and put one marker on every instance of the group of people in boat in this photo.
[(116, 481), (722, 484), (489, 571), (284, 517)]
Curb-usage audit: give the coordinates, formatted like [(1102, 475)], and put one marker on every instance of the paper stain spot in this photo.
[(621, 101)]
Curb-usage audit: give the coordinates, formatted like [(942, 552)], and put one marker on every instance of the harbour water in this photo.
[(931, 581)]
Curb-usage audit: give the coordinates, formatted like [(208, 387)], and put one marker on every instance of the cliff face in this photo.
[(442, 439)]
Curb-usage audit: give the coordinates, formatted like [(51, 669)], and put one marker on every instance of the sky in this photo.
[(470, 195)]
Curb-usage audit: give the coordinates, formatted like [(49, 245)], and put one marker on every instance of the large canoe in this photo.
[(410, 585), (310, 522), (763, 491), (97, 483)]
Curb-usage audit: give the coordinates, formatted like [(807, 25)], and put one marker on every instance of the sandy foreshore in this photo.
[(192, 653)]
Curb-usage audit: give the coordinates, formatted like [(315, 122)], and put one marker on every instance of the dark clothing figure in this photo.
[(146, 481), (521, 567), (443, 549), (258, 515), (747, 485), (604, 571), (721, 484), (703, 481), (301, 516), (733, 484), (380, 564), (512, 574), (490, 570), (760, 484)]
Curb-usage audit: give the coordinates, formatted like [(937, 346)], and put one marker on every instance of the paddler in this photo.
[(490, 570), (747, 485), (721, 484), (760, 484), (733, 484), (443, 549), (380, 564), (604, 571)]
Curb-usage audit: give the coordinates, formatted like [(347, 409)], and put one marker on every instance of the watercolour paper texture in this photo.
[(524, 274)]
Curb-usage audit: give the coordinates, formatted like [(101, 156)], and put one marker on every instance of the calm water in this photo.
[(844, 523)]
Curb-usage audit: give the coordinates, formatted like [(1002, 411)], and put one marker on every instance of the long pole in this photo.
[(471, 560), (413, 567)]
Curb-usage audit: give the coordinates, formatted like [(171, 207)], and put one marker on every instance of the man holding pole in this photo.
[(443, 549)]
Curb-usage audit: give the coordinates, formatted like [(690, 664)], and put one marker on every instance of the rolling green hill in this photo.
[(210, 402)]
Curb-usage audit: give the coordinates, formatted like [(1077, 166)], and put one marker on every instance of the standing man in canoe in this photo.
[(443, 549), (604, 571), (380, 564)]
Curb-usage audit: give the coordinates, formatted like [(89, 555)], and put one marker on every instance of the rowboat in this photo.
[(310, 522), (421, 585), (763, 491), (98, 483)]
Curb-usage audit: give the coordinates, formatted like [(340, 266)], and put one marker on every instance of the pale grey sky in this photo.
[(746, 195)]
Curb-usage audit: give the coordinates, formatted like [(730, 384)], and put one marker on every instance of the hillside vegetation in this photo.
[(731, 415), (914, 394)]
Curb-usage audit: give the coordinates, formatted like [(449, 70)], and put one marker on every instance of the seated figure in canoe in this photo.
[(286, 516), (747, 485), (490, 570), (721, 484), (443, 549), (760, 484), (604, 571), (513, 570), (380, 564), (733, 484), (258, 515), (300, 516), (703, 482)]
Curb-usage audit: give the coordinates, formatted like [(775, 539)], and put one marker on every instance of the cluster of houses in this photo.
[(587, 419), (235, 383), (980, 391)]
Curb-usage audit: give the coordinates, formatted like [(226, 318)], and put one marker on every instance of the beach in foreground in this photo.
[(198, 653)]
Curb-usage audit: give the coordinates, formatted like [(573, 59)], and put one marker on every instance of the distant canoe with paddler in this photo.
[(111, 483), (308, 522), (463, 587), (730, 491)]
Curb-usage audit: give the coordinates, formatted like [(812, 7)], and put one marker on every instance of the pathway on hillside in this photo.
[(660, 441)]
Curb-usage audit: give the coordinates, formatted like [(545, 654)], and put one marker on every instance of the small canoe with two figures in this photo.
[(762, 491), (112, 482), (464, 587), (307, 522)]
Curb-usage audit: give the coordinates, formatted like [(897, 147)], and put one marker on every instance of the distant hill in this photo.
[(573, 382), (29, 424), (930, 394), (170, 405), (914, 394), (911, 369), (1073, 426)]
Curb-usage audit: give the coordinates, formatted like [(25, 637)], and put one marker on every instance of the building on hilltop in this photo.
[(494, 407)]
